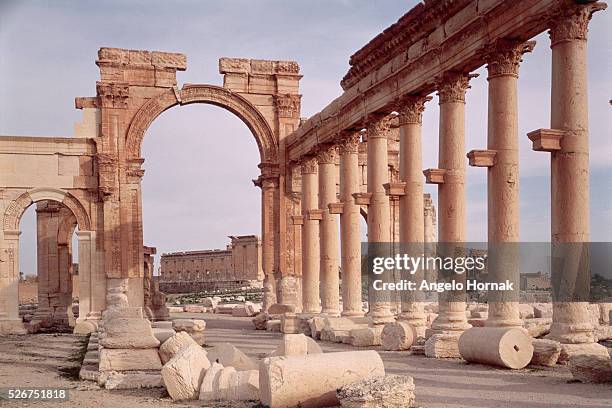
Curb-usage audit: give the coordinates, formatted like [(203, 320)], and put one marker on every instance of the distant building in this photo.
[(236, 266), (535, 281)]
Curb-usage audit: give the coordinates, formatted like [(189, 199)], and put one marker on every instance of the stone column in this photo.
[(570, 176), (269, 186), (10, 322), (450, 177), (310, 237), (379, 238), (503, 179), (350, 237), (411, 202), (330, 273)]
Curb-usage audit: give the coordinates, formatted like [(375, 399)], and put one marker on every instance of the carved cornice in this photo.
[(349, 142), (571, 21), (410, 109), (379, 126), (452, 86), (504, 57), (288, 105), (308, 165), (327, 154), (112, 95)]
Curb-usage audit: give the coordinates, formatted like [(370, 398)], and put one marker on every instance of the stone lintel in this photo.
[(315, 214), (362, 198), (546, 140), (336, 208), (482, 158), (395, 189), (82, 102), (297, 219), (434, 176)]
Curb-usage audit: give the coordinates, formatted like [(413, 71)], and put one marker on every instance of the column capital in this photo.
[(453, 85), (378, 126), (504, 56), (411, 107), (571, 21), (327, 154), (308, 165), (348, 142)]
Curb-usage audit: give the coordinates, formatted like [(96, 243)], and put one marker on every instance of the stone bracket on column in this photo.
[(336, 208), (316, 215), (362, 198), (297, 219), (482, 158), (546, 140), (395, 189), (434, 176)]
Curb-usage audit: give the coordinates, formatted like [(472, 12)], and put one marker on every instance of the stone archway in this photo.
[(209, 94)]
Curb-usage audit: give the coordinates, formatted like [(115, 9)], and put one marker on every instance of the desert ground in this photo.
[(52, 360)]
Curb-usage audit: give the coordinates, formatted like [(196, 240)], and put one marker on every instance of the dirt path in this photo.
[(48, 360)]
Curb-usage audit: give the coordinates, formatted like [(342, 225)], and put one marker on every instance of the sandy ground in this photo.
[(50, 360)]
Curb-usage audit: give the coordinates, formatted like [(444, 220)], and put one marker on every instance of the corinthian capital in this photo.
[(308, 165), (410, 109), (453, 85), (505, 56), (348, 142), (327, 154), (571, 20), (378, 126)]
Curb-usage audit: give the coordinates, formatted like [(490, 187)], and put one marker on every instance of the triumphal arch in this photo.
[(359, 156)]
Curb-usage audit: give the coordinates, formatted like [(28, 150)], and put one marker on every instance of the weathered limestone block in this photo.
[(241, 311), (122, 312), (221, 386), (311, 381), (542, 310), (260, 320), (163, 334), (129, 360), (390, 391), (227, 308), (124, 333), (252, 308), (175, 309), (162, 325), (477, 322), (504, 347), (605, 310), (397, 336), (210, 381), (537, 327), (316, 325), (279, 309), (189, 325), (183, 374), (296, 345), (545, 352), (210, 302), (126, 380), (366, 336), (194, 309), (230, 356), (442, 346), (289, 323), (591, 368), (569, 350), (603, 332), (526, 311), (243, 386), (595, 313), (334, 335), (174, 344), (303, 323), (273, 326)]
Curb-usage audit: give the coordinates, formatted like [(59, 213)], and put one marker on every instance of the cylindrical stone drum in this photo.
[(311, 381), (505, 347)]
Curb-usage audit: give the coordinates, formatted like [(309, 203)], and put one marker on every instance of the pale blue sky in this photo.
[(200, 159)]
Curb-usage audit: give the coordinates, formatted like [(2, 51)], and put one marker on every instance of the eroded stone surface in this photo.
[(591, 368), (184, 373), (545, 352), (173, 345), (230, 356), (390, 391)]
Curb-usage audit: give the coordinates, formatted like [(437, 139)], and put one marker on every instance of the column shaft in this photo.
[(310, 238)]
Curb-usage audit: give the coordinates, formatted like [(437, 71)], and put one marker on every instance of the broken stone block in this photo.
[(259, 321), (545, 352), (252, 308), (500, 346), (221, 386), (194, 309), (174, 344), (397, 336), (366, 336), (122, 313), (242, 386), (230, 356), (316, 325), (537, 327), (183, 374), (210, 302), (442, 346), (303, 323), (163, 334), (595, 314), (604, 313), (569, 350), (209, 382), (591, 368), (289, 323), (124, 333), (334, 335), (225, 308), (175, 309), (279, 309), (296, 345), (603, 332), (164, 324), (390, 391), (542, 310), (242, 311), (129, 360), (273, 326), (129, 380), (312, 380), (189, 325), (526, 311), (477, 322)]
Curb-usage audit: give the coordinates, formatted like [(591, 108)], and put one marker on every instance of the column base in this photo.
[(12, 327), (330, 312), (352, 313), (508, 324)]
